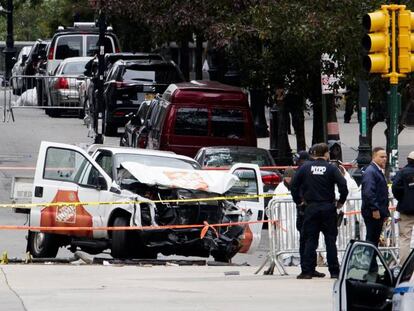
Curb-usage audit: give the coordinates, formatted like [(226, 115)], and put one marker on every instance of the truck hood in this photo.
[(210, 181)]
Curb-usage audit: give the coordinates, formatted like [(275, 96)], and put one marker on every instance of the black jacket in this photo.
[(316, 181), (374, 192), (403, 189)]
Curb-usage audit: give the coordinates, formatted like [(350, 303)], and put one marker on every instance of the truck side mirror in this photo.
[(102, 185)]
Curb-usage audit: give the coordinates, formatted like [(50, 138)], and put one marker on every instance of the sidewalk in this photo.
[(66, 287), (349, 134)]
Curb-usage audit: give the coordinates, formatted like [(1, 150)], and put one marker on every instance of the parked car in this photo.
[(64, 86), (66, 173), (133, 126), (366, 282), (88, 91), (198, 114), (77, 41), (141, 135), (36, 56), (131, 82), (17, 70), (226, 156)]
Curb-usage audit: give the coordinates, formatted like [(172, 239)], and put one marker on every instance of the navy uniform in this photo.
[(314, 187)]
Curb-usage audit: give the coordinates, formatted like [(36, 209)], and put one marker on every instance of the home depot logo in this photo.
[(66, 213)]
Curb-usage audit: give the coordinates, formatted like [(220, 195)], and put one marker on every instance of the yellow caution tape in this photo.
[(228, 198), (4, 259)]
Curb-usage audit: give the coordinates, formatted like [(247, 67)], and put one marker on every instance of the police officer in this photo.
[(314, 187), (403, 190)]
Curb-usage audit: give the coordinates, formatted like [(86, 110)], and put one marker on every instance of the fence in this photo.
[(284, 238), (55, 94)]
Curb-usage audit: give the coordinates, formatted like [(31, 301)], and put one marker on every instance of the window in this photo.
[(68, 46), (105, 161), (153, 160), (89, 176), (226, 157), (365, 265), (63, 164), (75, 68), (407, 273), (92, 47), (247, 184), (227, 123), (191, 122), (138, 75)]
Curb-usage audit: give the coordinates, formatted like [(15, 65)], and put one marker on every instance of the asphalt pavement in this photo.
[(68, 287)]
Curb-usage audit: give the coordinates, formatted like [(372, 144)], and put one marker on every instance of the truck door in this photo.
[(365, 281), (250, 183), (65, 173)]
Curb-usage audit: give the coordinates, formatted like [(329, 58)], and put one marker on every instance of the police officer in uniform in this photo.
[(314, 187)]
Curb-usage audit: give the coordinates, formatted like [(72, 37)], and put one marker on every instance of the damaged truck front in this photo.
[(171, 202)]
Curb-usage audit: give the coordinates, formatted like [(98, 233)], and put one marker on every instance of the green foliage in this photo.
[(40, 18)]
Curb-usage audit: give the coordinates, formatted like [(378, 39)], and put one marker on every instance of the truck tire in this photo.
[(110, 130), (121, 240), (42, 245)]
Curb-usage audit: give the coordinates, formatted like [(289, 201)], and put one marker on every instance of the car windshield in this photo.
[(153, 160), (227, 157), (75, 68)]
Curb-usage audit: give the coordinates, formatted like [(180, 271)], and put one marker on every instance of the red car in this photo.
[(197, 114)]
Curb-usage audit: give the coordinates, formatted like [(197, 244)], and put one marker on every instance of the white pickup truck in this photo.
[(66, 173)]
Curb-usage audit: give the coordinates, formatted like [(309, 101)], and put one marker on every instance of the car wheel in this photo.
[(52, 112), (121, 240), (109, 128), (42, 245), (222, 257)]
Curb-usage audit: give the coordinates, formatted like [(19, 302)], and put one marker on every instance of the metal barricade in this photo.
[(55, 94), (284, 237)]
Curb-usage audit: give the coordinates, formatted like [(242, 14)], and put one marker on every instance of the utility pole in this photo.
[(364, 148), (99, 114), (10, 50)]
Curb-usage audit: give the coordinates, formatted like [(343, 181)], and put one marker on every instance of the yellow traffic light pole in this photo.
[(378, 43)]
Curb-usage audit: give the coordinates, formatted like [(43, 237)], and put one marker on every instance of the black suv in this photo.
[(129, 83)]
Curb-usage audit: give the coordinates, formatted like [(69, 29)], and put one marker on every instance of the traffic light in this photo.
[(377, 41), (405, 41)]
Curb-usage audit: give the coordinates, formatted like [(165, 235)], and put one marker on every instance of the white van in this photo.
[(79, 40)]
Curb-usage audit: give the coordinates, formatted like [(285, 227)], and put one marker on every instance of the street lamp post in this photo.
[(10, 50), (364, 148)]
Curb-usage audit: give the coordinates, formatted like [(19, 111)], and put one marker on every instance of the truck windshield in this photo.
[(152, 160)]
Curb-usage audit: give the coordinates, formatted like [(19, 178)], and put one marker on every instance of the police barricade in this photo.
[(284, 237), (60, 94)]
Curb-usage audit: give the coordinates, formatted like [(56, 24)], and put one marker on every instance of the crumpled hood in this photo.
[(209, 181)]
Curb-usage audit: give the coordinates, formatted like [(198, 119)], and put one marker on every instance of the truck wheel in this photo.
[(121, 240), (42, 245), (222, 257), (110, 130)]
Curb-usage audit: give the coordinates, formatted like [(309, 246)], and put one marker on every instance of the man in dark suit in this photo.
[(375, 195)]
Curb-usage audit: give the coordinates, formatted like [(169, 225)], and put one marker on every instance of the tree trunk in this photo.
[(295, 106), (199, 57), (185, 59), (283, 146)]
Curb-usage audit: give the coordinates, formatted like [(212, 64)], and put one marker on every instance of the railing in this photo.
[(55, 94), (284, 238)]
